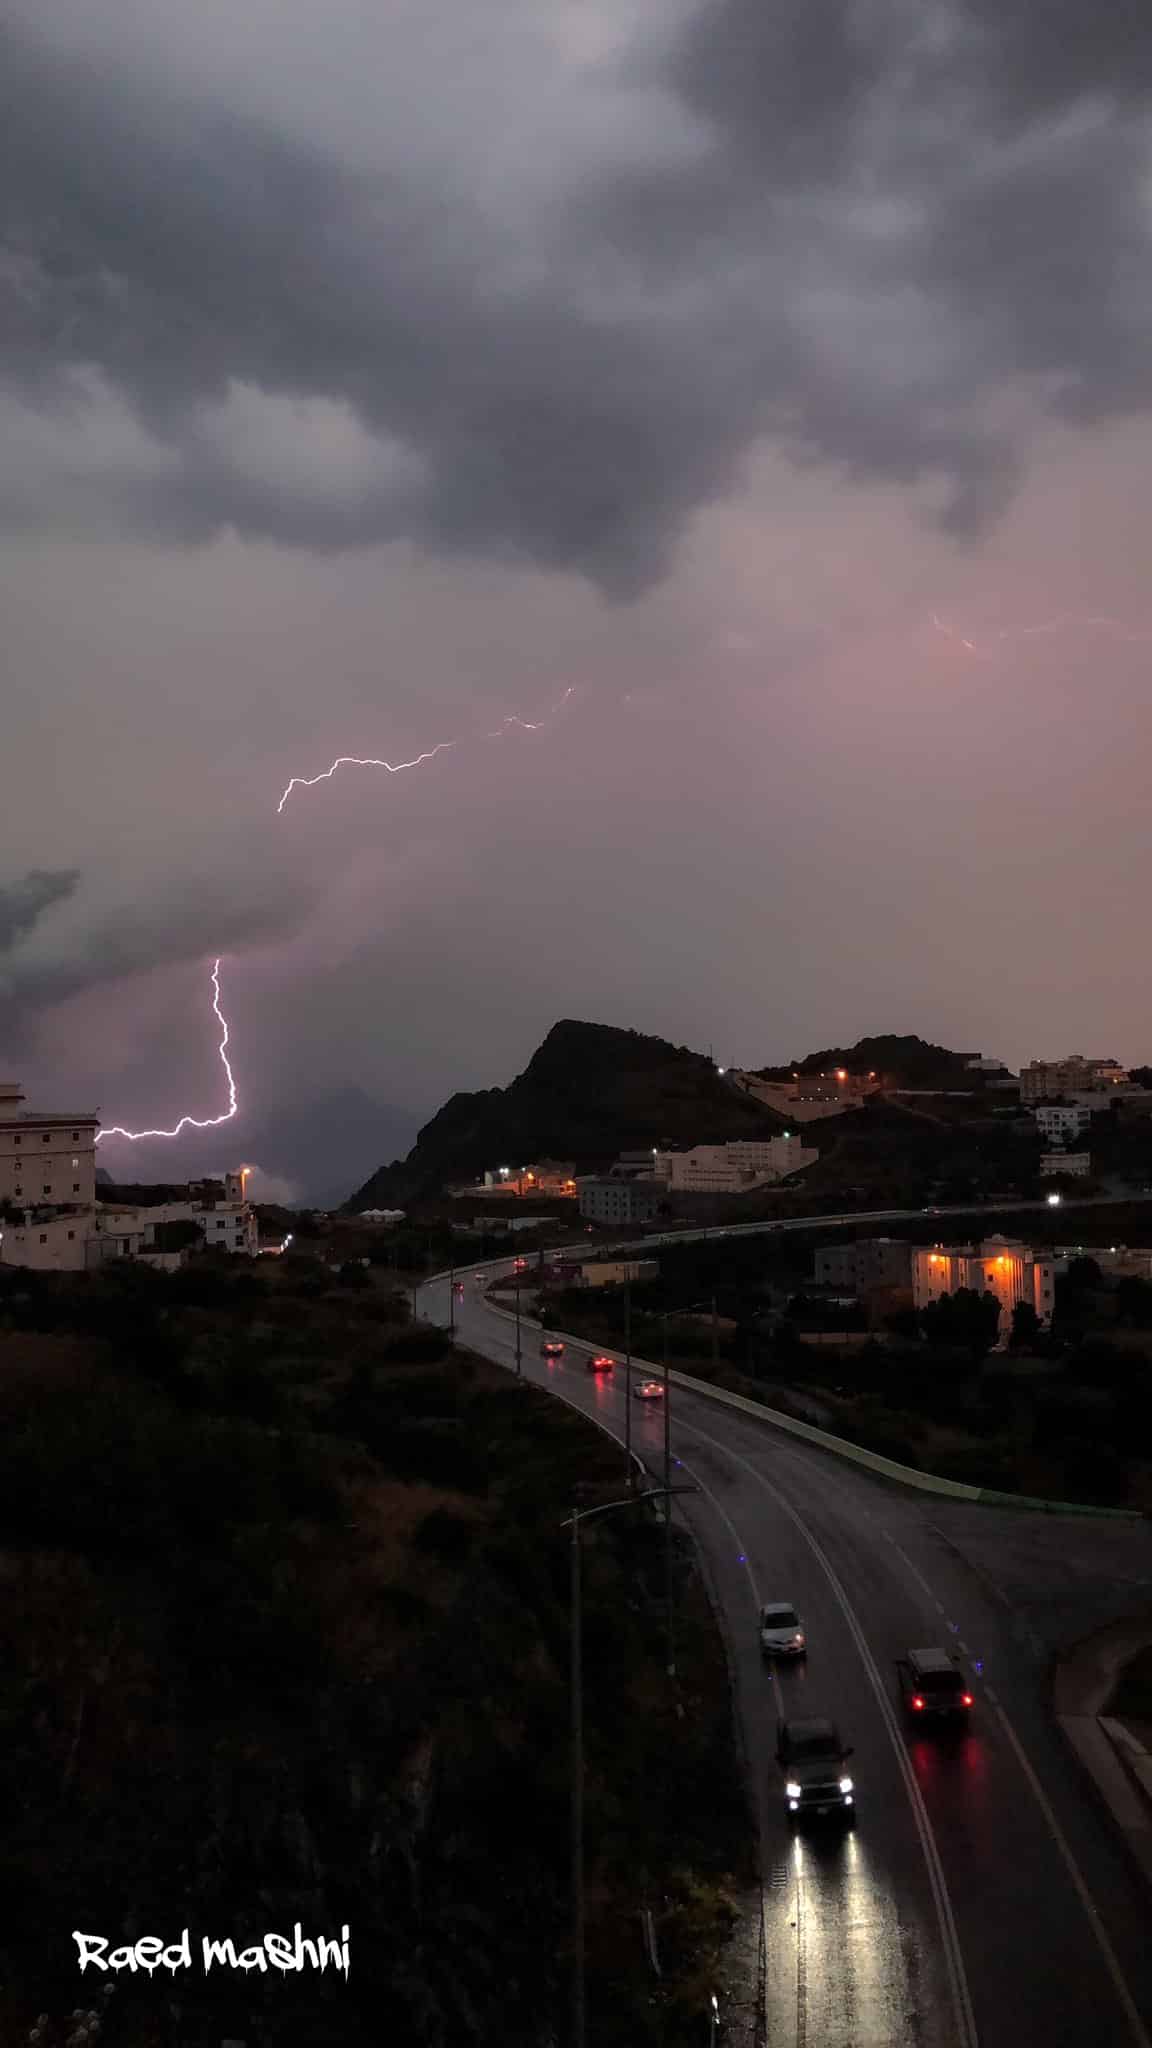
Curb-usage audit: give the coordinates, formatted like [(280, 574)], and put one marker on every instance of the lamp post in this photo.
[(519, 1359), (670, 1658), (576, 1674), (452, 1294), (628, 1377)]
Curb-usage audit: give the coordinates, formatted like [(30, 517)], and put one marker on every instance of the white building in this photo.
[(1078, 1163), (46, 1158), (76, 1239), (808, 1097), (1060, 1122), (999, 1266), (731, 1169)]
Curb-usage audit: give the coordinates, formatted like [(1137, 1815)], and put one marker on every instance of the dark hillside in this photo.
[(588, 1092)]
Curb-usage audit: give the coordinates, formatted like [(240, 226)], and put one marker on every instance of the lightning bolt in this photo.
[(194, 1123), (309, 782), (397, 767), (1087, 622)]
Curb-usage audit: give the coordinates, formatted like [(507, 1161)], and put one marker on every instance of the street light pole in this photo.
[(519, 1360), (576, 1673), (452, 1295), (577, 1707), (671, 1655), (628, 1376), (715, 1338)]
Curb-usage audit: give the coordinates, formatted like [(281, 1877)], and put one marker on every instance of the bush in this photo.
[(418, 1346), (445, 1536), (437, 1453)]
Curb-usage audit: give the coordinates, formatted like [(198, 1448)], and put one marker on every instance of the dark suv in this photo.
[(812, 1756)]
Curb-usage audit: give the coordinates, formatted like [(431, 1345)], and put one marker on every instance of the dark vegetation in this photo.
[(588, 1091), (285, 1606)]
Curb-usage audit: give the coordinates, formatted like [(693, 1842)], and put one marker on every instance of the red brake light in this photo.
[(967, 1699), (917, 1702)]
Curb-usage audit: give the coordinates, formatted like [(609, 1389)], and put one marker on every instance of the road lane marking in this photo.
[(1107, 1952), (953, 1955)]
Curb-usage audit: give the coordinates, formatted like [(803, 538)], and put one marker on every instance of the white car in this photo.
[(781, 1631)]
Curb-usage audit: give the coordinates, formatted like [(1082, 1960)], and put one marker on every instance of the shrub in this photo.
[(445, 1536)]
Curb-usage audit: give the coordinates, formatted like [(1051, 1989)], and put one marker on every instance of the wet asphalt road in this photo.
[(981, 1895)]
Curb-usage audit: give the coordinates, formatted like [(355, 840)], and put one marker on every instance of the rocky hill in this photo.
[(898, 1061), (588, 1092)]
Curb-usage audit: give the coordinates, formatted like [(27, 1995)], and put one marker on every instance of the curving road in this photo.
[(981, 1897)]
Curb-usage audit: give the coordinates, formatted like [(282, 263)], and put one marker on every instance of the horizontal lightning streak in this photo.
[(1066, 621), (395, 767)]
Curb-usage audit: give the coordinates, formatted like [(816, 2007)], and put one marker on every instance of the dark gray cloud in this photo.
[(880, 215), (23, 903)]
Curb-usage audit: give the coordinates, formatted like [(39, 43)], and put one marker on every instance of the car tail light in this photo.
[(967, 1699), (917, 1702)]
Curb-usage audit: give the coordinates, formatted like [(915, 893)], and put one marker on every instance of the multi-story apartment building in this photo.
[(76, 1238), (1000, 1266), (1072, 1076), (604, 1200), (731, 1169), (1077, 1163), (869, 1263), (46, 1158), (1060, 1122)]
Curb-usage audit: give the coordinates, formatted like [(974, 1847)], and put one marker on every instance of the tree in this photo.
[(1025, 1326), (1134, 1302), (352, 1274), (964, 1320)]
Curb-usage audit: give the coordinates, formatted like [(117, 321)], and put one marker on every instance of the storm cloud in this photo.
[(839, 227), (23, 903)]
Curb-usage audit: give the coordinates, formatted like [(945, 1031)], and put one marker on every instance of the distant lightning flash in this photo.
[(194, 1123), (210, 1123), (1062, 624)]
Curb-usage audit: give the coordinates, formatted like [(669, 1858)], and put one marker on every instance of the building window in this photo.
[(43, 1237), (18, 1191), (46, 1138), (18, 1139), (47, 1188), (75, 1187), (75, 1137), (71, 1235)]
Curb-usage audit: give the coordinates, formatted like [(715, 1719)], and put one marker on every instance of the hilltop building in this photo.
[(1072, 1078), (735, 1168)]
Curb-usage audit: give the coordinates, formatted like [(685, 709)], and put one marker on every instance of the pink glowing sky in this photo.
[(562, 362)]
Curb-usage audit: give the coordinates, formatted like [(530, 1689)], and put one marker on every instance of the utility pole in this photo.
[(715, 1339), (577, 1706), (628, 1376), (519, 1359), (576, 1671), (452, 1294), (668, 1511)]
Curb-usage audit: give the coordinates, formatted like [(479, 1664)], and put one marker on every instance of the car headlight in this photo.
[(793, 1789), (799, 1641), (845, 1784)]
